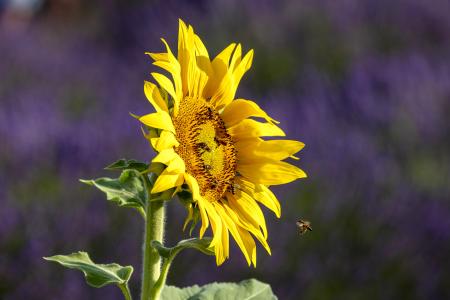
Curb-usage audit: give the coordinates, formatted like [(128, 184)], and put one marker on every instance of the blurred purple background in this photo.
[(364, 83)]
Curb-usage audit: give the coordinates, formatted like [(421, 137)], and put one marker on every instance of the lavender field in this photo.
[(365, 84)]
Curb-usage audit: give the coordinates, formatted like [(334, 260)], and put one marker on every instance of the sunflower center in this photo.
[(206, 147)]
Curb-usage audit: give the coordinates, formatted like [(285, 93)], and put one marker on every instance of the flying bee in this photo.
[(304, 225)]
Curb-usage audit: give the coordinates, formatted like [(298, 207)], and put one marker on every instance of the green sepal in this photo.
[(246, 289), (163, 196), (185, 197), (123, 164), (97, 275), (134, 116), (194, 221), (157, 168), (194, 243), (128, 190)]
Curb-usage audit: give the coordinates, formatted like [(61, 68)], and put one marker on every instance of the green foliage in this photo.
[(131, 189), (169, 254), (97, 275), (124, 164), (194, 243), (246, 289), (128, 190)]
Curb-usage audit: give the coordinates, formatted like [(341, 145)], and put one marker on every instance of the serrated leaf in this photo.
[(128, 190), (97, 275), (194, 243), (123, 164), (250, 289)]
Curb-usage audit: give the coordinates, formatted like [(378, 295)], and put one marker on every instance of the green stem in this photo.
[(126, 291), (154, 231), (157, 288)]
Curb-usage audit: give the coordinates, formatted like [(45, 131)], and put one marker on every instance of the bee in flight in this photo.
[(304, 225)]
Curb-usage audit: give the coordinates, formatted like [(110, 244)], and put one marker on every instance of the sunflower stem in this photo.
[(126, 291), (159, 285), (154, 231)]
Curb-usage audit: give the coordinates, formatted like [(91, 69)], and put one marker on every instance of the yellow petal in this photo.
[(249, 213), (232, 227), (166, 140), (195, 190), (262, 194), (203, 64), (249, 244), (198, 80), (224, 93), (216, 225), (176, 165), (175, 70), (158, 56), (167, 181), (187, 58), (193, 185), (270, 172), (249, 128), (166, 84), (187, 52), (165, 156), (227, 89), (225, 239), (168, 62), (246, 238), (220, 62), (194, 79), (220, 68), (183, 54), (154, 97), (241, 109), (203, 215), (243, 67), (253, 149), (200, 47), (236, 59), (160, 120)]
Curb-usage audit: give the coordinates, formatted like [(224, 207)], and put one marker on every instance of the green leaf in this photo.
[(250, 289), (97, 275), (123, 164), (169, 254), (128, 190), (194, 243)]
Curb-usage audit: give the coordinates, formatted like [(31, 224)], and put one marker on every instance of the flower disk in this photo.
[(206, 147), (212, 144)]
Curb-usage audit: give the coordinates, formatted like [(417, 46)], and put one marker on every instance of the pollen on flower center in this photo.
[(206, 147)]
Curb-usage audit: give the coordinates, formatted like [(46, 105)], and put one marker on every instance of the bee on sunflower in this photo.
[(211, 144)]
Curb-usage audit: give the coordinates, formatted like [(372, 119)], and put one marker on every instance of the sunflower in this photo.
[(211, 144)]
